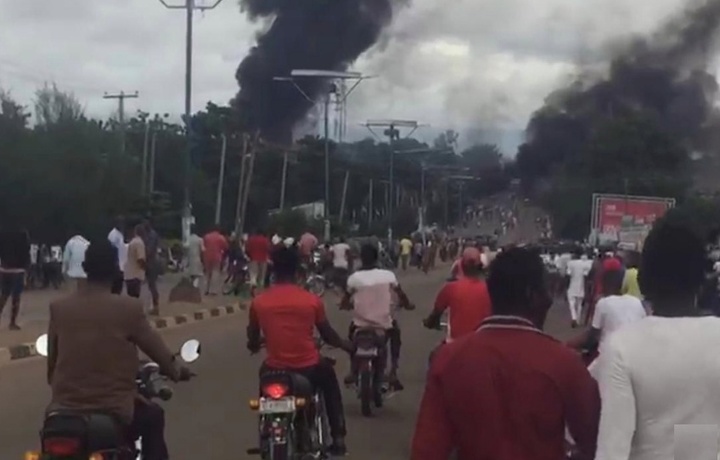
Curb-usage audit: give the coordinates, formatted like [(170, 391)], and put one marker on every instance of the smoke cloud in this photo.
[(665, 75), (302, 34)]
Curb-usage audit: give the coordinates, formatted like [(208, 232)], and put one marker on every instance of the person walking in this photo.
[(215, 245), (14, 260), (117, 239), (73, 258), (196, 248), (136, 262), (152, 264), (406, 245)]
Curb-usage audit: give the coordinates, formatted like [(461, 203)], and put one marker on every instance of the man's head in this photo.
[(286, 263), (368, 255), (119, 223), (147, 223), (101, 262), (671, 268), (140, 230), (471, 261), (517, 285), (612, 280)]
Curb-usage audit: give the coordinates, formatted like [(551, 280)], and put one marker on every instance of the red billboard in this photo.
[(615, 213)]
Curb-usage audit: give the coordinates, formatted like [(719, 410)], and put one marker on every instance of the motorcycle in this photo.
[(68, 434), (237, 279), (293, 422), (370, 360)]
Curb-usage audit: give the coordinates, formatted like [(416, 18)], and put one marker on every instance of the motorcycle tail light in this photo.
[(61, 447), (96, 456), (275, 390), (32, 455)]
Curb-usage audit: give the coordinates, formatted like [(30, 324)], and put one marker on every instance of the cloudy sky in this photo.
[(477, 66)]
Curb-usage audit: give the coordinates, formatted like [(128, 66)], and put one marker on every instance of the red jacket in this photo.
[(506, 392)]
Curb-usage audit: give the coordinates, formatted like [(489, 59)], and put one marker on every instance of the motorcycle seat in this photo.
[(299, 384), (99, 431)]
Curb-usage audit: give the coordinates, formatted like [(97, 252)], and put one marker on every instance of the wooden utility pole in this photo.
[(241, 184), (153, 145), (370, 204), (121, 96), (283, 182)]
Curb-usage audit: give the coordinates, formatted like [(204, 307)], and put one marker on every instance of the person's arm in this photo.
[(581, 400), (327, 333), (254, 333), (432, 439), (149, 341), (442, 302), (617, 422), (66, 258), (52, 346)]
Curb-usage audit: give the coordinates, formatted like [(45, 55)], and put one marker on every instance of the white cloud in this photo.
[(464, 64)]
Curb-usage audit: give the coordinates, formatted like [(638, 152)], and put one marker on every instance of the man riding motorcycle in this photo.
[(369, 295), (93, 337), (285, 316), (466, 300)]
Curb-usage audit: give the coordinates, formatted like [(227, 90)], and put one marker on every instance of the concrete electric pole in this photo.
[(121, 96)]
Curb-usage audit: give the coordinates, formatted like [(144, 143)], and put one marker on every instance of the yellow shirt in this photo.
[(630, 283), (405, 247)]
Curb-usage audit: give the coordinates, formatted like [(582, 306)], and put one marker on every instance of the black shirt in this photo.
[(14, 249)]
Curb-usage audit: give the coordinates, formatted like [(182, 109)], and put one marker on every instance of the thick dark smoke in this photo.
[(303, 34), (665, 76)]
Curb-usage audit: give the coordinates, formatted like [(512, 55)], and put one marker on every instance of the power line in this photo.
[(121, 96)]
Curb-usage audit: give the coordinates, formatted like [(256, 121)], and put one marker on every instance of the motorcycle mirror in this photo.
[(41, 345), (190, 350)]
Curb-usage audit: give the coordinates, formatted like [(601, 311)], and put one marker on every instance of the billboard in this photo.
[(621, 218)]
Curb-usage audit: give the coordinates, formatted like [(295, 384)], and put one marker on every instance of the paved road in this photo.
[(209, 418)]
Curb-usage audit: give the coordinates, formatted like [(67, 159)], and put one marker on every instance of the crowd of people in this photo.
[(498, 387)]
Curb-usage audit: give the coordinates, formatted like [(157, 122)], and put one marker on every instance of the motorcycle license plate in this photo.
[(366, 352), (277, 406)]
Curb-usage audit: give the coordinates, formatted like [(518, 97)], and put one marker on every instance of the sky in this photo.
[(480, 67)]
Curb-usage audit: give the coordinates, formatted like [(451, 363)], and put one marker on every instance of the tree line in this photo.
[(64, 173)]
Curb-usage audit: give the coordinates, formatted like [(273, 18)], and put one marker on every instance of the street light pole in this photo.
[(189, 8)]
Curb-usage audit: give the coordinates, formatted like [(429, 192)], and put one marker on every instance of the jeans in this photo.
[(133, 287), (118, 283), (322, 376), (12, 285), (149, 423), (152, 274)]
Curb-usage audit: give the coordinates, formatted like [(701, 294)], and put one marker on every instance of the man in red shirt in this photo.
[(508, 391), (466, 300), (215, 245), (286, 316), (257, 248)]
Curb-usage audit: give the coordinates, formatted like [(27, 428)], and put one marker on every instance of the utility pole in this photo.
[(344, 196), (221, 180), (189, 8), (370, 203), (241, 184), (121, 96), (146, 152), (393, 135), (153, 144), (283, 181)]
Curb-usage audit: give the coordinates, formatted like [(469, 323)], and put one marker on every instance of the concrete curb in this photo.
[(27, 350)]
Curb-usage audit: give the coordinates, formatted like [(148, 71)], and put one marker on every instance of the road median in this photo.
[(27, 350)]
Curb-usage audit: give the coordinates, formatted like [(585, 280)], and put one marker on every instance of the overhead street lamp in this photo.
[(295, 76)]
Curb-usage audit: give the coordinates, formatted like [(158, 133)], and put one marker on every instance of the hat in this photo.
[(611, 264), (471, 255)]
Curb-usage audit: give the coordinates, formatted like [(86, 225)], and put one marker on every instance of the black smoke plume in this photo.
[(665, 76), (303, 34)]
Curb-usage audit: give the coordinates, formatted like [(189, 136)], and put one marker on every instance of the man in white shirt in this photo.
[(117, 239), (340, 252), (73, 258), (661, 374), (369, 294), (577, 269)]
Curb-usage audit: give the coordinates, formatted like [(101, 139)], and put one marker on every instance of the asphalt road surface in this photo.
[(209, 417)]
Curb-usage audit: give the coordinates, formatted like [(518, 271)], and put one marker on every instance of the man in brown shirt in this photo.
[(135, 265), (93, 337)]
